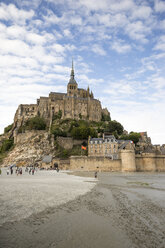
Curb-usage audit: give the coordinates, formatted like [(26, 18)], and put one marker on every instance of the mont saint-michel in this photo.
[(73, 131), (77, 104)]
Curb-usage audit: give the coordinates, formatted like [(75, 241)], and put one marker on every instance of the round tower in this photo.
[(128, 160)]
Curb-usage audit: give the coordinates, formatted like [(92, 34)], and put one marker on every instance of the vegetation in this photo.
[(8, 128), (75, 151), (6, 146), (34, 123), (105, 117), (131, 136), (114, 128), (57, 116), (82, 129)]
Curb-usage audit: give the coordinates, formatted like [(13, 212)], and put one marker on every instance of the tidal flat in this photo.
[(50, 209)]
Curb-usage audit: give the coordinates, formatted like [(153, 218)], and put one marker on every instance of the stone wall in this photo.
[(127, 162), (150, 162), (94, 164)]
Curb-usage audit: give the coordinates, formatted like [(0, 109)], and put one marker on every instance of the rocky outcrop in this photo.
[(30, 147)]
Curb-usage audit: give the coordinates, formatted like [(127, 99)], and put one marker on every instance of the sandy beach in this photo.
[(116, 210)]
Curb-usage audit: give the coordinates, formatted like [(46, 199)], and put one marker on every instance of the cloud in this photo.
[(160, 44), (138, 31), (141, 12), (98, 50), (13, 14), (120, 47), (159, 6)]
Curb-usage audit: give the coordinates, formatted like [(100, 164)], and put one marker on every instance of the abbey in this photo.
[(75, 104)]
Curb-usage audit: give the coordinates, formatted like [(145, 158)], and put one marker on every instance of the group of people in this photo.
[(19, 171), (31, 170), (10, 171)]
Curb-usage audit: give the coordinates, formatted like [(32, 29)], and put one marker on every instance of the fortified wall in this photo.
[(128, 162)]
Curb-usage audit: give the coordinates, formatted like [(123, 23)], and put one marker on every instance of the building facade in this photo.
[(103, 147), (108, 146)]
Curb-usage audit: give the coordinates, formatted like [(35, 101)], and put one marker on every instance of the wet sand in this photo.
[(121, 211)]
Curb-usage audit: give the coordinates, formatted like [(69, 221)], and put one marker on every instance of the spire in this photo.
[(72, 71), (72, 80)]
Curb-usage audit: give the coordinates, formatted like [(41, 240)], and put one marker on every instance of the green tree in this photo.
[(134, 137), (105, 117), (131, 136), (114, 126), (83, 132), (36, 123)]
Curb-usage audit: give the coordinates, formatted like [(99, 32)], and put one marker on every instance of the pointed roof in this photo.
[(72, 80)]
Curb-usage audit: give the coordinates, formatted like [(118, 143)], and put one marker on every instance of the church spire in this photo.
[(72, 80), (72, 71)]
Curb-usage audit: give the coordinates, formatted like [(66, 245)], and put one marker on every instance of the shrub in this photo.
[(114, 126), (58, 132), (36, 123), (8, 128), (6, 145), (83, 132), (132, 136), (58, 115), (105, 117)]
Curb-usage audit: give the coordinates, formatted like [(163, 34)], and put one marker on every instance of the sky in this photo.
[(118, 48)]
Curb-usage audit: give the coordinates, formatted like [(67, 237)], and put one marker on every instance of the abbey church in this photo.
[(77, 104)]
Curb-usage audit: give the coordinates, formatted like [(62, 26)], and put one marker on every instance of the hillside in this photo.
[(35, 139)]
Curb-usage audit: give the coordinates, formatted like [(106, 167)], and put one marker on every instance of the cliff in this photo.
[(30, 147)]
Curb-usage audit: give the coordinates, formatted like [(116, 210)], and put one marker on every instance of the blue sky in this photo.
[(118, 48)]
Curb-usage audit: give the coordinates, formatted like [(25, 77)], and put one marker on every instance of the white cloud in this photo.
[(98, 50), (159, 6), (141, 12), (138, 31), (120, 47), (160, 44), (11, 13)]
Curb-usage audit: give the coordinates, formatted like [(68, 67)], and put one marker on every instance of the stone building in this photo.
[(108, 146), (103, 147), (75, 104)]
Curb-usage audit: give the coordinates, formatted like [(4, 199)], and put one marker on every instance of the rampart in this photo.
[(128, 162), (150, 162), (94, 163)]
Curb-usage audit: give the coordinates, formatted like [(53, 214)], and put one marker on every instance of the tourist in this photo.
[(96, 174), (33, 171), (0, 171), (8, 171)]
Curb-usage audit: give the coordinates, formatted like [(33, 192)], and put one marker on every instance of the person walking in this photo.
[(0, 171)]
